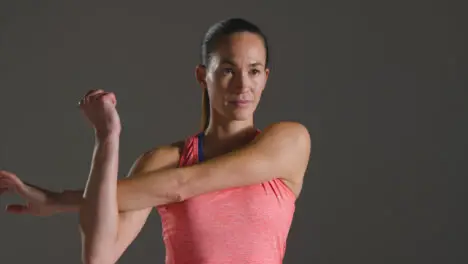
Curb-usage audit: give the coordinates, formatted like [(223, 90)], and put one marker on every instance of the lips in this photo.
[(240, 102)]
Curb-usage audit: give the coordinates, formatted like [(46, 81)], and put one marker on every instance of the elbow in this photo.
[(97, 256), (96, 252), (90, 260), (177, 197), (173, 195), (181, 190), (191, 181), (96, 260)]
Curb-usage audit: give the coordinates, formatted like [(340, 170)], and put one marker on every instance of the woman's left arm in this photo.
[(282, 150)]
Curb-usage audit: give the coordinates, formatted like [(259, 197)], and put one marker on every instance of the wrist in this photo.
[(105, 136), (66, 201)]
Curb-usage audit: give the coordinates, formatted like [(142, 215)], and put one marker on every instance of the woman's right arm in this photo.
[(131, 222), (104, 238), (43, 202)]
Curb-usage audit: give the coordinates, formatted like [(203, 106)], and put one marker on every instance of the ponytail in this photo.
[(205, 119)]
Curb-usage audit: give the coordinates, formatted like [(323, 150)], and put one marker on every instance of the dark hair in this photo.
[(213, 35)]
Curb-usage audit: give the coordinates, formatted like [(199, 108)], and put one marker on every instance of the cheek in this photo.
[(259, 86), (218, 90), (221, 87), (218, 80)]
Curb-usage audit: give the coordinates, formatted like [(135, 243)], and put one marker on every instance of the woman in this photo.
[(225, 195)]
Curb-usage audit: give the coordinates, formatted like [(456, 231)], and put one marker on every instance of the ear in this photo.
[(200, 75), (267, 74)]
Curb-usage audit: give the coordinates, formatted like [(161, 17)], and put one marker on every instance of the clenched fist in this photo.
[(99, 108)]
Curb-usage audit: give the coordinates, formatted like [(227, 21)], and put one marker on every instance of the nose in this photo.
[(242, 82)]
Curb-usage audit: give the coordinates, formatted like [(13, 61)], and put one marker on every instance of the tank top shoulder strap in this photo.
[(190, 152), (193, 152)]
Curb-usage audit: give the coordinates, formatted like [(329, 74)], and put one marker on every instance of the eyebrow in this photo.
[(228, 61)]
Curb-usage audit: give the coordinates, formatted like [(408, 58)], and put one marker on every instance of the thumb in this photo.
[(111, 97), (17, 209)]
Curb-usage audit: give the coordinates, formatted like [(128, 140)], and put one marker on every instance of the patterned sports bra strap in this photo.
[(188, 151)]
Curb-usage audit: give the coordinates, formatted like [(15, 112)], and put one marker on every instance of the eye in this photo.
[(255, 71), (227, 71)]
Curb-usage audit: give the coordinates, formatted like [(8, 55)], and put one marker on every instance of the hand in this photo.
[(40, 202), (99, 108)]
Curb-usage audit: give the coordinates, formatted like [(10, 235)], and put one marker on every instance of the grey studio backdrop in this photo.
[(380, 85)]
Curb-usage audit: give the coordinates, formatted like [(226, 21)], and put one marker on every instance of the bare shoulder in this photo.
[(294, 134), (290, 127), (160, 157), (291, 144)]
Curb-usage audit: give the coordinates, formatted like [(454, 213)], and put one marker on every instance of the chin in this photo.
[(240, 114)]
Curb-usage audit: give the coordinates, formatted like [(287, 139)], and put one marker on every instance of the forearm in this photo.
[(68, 200), (99, 211), (150, 189), (129, 196)]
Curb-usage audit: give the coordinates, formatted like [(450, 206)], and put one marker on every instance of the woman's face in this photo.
[(236, 75)]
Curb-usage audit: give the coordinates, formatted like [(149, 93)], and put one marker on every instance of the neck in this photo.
[(223, 136)]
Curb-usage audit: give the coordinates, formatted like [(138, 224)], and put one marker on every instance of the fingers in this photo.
[(17, 209), (90, 94), (8, 179), (110, 96), (6, 174), (103, 96), (94, 95), (9, 182), (6, 182), (93, 91)]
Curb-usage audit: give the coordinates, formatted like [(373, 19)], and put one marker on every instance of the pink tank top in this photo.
[(244, 225)]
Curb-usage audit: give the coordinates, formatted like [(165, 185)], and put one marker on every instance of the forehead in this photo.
[(241, 46)]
